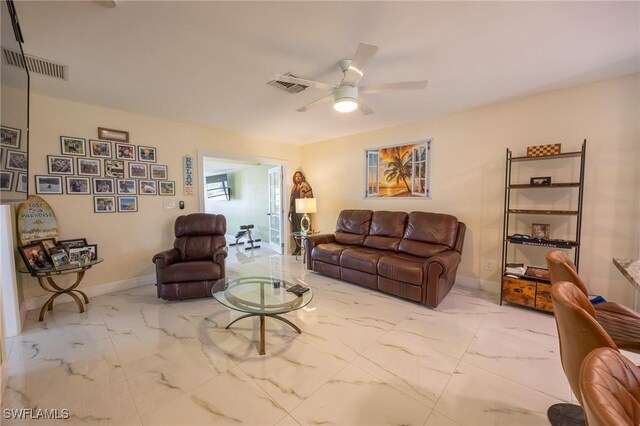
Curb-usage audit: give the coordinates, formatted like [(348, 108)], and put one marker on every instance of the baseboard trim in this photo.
[(478, 284), (36, 302)]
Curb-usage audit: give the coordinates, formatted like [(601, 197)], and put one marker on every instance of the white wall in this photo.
[(469, 168), (128, 241)]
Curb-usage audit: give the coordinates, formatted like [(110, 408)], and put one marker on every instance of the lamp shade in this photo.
[(306, 205)]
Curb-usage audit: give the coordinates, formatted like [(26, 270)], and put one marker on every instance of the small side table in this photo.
[(45, 277), (299, 237)]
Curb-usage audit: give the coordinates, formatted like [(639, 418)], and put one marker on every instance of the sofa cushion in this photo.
[(361, 259), (420, 249), (328, 253), (428, 234), (190, 271), (386, 230), (401, 267), (352, 226)]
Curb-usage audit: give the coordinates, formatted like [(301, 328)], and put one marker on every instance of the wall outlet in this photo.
[(489, 265)]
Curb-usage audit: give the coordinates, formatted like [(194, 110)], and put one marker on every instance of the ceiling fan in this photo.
[(345, 94)]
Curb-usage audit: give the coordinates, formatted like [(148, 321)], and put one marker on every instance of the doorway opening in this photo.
[(248, 191)]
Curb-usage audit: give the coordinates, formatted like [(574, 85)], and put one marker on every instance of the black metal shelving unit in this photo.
[(509, 210)]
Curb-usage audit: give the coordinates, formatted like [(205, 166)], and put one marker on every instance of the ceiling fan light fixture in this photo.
[(345, 98)]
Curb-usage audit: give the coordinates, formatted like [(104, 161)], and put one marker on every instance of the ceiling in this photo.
[(209, 62)]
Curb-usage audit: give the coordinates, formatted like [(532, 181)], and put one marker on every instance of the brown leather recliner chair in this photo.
[(196, 261), (610, 387), (621, 323)]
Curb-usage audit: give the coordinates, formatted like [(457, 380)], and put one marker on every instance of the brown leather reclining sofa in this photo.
[(414, 255)]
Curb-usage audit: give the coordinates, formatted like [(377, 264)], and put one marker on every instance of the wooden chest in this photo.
[(534, 294)]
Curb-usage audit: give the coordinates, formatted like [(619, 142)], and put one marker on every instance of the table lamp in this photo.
[(305, 205)]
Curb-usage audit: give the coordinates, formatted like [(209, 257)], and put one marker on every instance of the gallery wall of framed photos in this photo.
[(13, 163), (111, 169)]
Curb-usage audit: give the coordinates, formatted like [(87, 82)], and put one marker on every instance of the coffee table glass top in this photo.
[(259, 295)]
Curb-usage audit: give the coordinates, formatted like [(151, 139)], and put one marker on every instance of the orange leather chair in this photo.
[(197, 259), (610, 387), (620, 322), (578, 331)]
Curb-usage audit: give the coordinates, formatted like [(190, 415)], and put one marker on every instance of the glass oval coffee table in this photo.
[(260, 296)]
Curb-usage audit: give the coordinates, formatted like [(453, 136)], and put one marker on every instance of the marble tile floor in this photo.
[(363, 358)]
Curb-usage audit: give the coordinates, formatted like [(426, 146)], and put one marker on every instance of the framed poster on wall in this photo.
[(399, 171)]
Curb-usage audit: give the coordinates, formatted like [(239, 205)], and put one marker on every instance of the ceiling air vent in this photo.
[(288, 87), (34, 64)]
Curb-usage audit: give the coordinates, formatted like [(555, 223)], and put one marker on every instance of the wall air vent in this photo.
[(288, 87), (34, 64)]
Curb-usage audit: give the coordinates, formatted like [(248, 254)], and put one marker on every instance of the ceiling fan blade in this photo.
[(317, 102), (302, 81), (405, 85), (359, 61), (364, 108)]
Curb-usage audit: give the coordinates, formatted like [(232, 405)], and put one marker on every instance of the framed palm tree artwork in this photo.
[(399, 171)]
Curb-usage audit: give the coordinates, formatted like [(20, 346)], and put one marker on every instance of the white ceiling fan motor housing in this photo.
[(345, 98)]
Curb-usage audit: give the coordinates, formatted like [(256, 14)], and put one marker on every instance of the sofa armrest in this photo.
[(440, 276), (220, 253), (166, 258), (219, 256), (447, 260), (313, 240)]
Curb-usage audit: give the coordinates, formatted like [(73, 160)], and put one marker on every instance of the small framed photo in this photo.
[(78, 185), (137, 170), (73, 146), (99, 149), (10, 137), (103, 186), (125, 151), (147, 153), (49, 243), (79, 256), (534, 272), (93, 249), (60, 165), (6, 181), (540, 231), (60, 260), (104, 204), (22, 182), (35, 257), (56, 250), (158, 172), (540, 181), (88, 167), (167, 187), (113, 135), (127, 204), (114, 168), (148, 187), (69, 244), (16, 160), (126, 186), (48, 184)]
